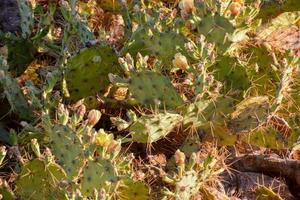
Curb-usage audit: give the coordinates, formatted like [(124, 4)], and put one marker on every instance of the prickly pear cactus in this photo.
[(112, 5), (162, 45), (151, 128), (27, 19), (201, 113), (6, 191), (216, 29), (40, 179), (229, 71), (272, 8), (282, 33), (220, 134), (150, 88), (265, 137), (97, 174), (250, 114), (15, 96), (20, 54), (130, 189), (187, 186), (68, 149), (265, 193), (87, 72)]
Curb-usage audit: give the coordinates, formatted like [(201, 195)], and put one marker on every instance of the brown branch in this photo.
[(272, 166)]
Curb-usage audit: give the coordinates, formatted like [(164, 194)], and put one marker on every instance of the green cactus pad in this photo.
[(260, 70), (112, 5), (20, 54), (130, 189), (87, 72), (39, 180), (216, 29), (147, 87), (250, 114), (68, 149), (27, 18), (97, 174), (151, 128), (201, 113), (273, 8), (162, 45), (265, 193), (187, 186), (6, 191), (220, 134), (283, 20), (265, 137), (15, 97), (234, 75)]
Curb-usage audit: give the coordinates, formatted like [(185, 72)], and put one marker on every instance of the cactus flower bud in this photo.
[(93, 117), (179, 158), (35, 147), (63, 114), (3, 152), (80, 111), (187, 7), (113, 146), (2, 74), (48, 155), (180, 61), (235, 8)]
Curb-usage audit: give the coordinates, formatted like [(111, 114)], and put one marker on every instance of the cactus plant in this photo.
[(40, 179), (20, 54), (163, 45), (151, 128), (250, 114), (14, 94), (97, 174), (264, 193), (26, 18), (130, 189), (150, 88), (68, 148), (87, 72)]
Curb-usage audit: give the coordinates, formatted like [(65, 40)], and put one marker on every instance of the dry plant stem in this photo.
[(272, 166)]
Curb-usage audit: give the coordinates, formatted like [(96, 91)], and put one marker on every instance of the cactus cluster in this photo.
[(145, 117)]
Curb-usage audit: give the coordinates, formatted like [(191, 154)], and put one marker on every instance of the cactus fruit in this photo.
[(87, 72), (40, 179), (68, 148), (151, 128), (250, 114), (150, 88), (130, 189), (97, 174)]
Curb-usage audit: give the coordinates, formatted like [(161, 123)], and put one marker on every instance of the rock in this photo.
[(9, 16)]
